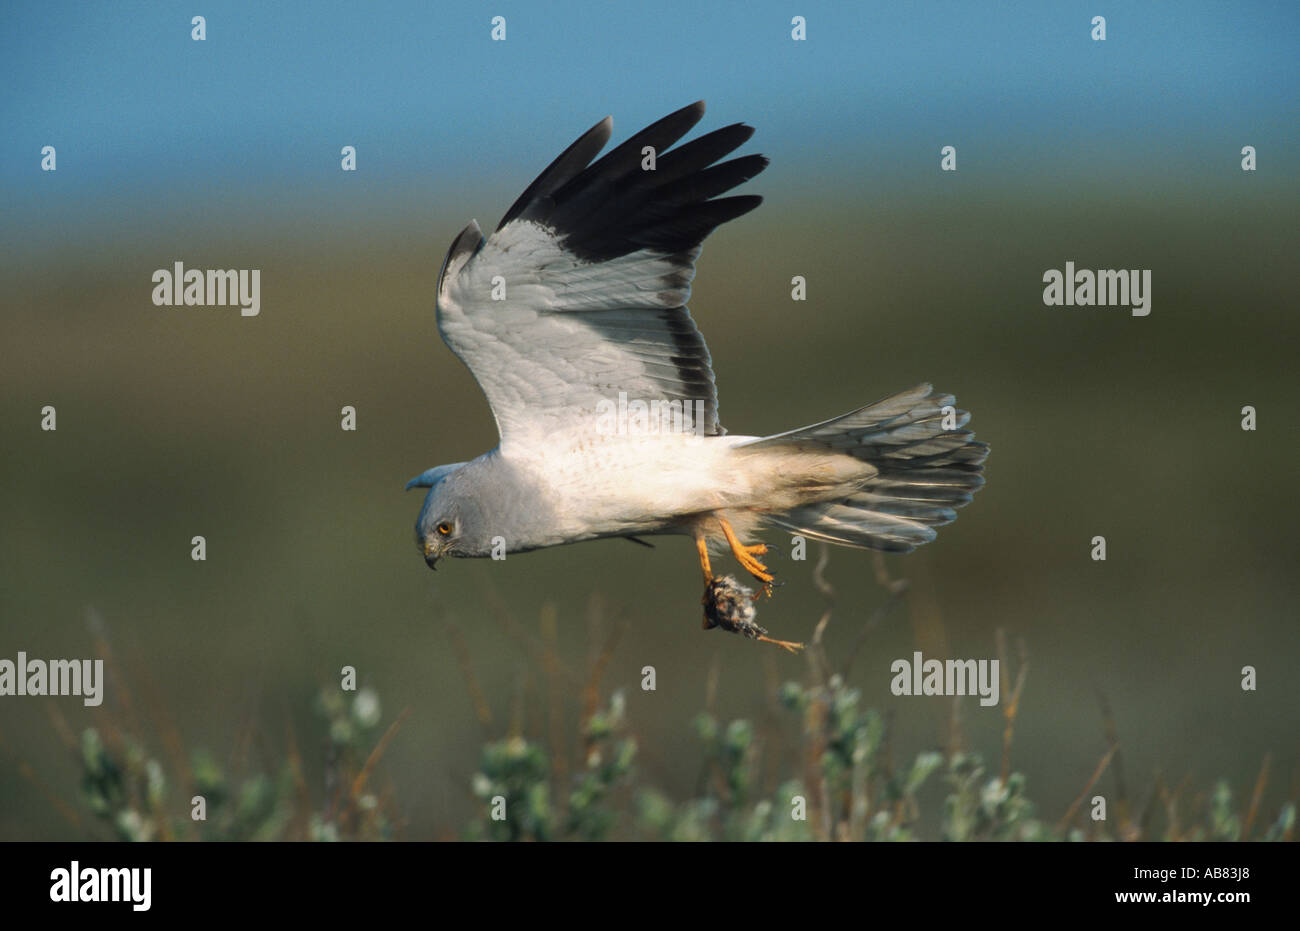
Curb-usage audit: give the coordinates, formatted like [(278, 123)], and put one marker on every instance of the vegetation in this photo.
[(832, 778)]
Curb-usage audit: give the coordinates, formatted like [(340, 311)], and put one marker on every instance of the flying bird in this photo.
[(572, 313)]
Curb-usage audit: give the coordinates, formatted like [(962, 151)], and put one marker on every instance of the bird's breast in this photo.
[(619, 485)]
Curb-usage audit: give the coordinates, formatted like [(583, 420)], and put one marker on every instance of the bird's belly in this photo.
[(644, 485)]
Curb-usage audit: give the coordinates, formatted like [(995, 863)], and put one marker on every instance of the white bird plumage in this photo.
[(579, 298)]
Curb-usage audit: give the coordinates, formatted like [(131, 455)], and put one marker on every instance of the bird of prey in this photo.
[(575, 308)]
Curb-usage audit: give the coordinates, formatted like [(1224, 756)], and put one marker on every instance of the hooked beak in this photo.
[(431, 556)]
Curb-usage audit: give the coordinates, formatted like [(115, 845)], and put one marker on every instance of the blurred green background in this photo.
[(174, 422)]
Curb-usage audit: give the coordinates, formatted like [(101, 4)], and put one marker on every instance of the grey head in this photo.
[(473, 506), (441, 526)]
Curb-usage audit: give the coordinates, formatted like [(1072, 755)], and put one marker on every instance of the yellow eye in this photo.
[(444, 529)]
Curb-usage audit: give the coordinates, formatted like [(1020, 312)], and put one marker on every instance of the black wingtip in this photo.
[(570, 163), (613, 205)]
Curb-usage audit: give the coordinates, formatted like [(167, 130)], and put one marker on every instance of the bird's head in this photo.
[(441, 524)]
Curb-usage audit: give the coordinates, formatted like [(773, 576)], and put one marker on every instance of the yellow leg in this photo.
[(788, 645), (702, 545), (747, 555)]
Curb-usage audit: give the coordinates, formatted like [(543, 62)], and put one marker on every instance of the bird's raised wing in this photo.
[(580, 293)]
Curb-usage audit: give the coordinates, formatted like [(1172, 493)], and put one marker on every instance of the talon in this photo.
[(747, 555)]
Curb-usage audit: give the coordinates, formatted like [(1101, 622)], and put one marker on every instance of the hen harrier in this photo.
[(572, 318)]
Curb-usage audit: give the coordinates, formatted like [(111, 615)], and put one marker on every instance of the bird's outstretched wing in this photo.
[(580, 293)]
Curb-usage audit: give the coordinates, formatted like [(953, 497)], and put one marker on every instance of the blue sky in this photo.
[(139, 112)]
